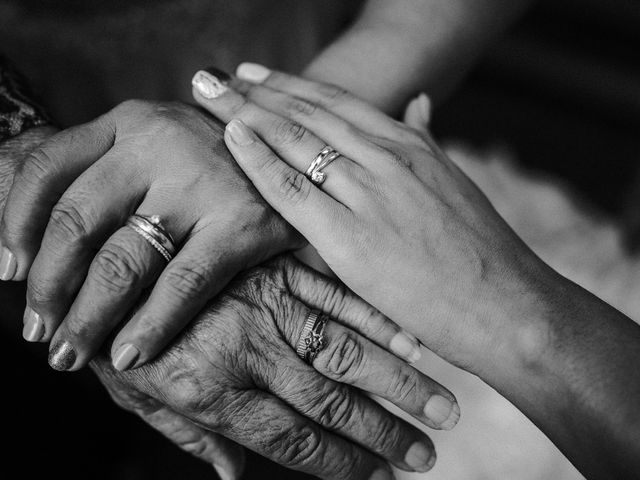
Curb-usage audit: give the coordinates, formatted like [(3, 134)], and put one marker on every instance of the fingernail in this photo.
[(424, 104), (418, 457), (405, 345), (222, 473), (208, 85), (33, 330), (252, 72), (7, 264), (239, 133), (442, 411), (125, 357), (382, 474), (62, 356)]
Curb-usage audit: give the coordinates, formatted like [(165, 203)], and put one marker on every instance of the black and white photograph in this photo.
[(332, 239)]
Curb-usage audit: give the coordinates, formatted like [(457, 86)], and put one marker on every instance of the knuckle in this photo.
[(294, 187), (299, 447), (298, 106), (38, 166), (187, 280), (40, 293), (69, 223), (185, 388), (332, 94), (115, 269), (398, 159), (336, 410), (287, 132), (385, 436), (342, 358), (403, 385)]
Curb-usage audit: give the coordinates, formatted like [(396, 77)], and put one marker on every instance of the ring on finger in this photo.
[(312, 339), (151, 229), (323, 159)]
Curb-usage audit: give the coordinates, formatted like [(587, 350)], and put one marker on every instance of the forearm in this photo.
[(397, 48), (573, 369)]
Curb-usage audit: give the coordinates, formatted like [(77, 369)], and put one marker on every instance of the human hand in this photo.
[(63, 229), (396, 220), (234, 371)]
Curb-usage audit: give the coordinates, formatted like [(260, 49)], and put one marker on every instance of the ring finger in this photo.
[(125, 266)]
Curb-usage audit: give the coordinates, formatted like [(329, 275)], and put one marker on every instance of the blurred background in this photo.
[(559, 97)]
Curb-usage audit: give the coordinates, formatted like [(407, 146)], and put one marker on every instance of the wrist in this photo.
[(521, 345)]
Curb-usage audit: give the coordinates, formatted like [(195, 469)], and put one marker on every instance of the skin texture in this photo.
[(64, 225), (226, 370), (405, 229), (244, 355), (397, 48)]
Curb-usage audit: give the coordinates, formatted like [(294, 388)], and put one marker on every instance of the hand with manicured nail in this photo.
[(64, 230), (406, 230), (235, 371), (379, 223)]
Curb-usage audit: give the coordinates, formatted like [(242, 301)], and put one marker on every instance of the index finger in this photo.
[(317, 216)]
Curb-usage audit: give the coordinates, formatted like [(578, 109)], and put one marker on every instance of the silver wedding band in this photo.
[(312, 339), (323, 159), (151, 229)]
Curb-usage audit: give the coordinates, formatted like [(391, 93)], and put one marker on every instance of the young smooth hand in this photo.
[(395, 219)]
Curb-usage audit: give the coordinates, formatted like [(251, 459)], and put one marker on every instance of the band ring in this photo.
[(312, 339), (151, 229), (314, 173)]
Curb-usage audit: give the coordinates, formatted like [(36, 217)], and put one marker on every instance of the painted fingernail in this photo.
[(208, 85), (442, 411), (405, 345), (62, 356), (252, 72), (222, 473), (33, 330), (419, 457), (240, 134), (7, 264), (382, 474), (125, 356)]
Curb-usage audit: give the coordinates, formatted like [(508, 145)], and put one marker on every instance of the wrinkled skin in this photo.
[(225, 371), (65, 215)]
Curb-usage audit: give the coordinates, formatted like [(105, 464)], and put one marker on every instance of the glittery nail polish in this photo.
[(208, 85), (62, 356)]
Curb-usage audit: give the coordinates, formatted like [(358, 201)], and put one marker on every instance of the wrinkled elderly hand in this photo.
[(63, 227), (235, 372)]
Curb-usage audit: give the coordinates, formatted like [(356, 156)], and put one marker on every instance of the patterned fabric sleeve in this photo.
[(18, 110)]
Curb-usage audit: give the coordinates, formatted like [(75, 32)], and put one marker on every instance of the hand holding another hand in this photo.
[(234, 371), (395, 219), (63, 230)]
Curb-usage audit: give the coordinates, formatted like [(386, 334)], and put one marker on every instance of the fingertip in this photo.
[(8, 264), (252, 72), (239, 133)]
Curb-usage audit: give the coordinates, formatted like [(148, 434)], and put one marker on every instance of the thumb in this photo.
[(418, 113)]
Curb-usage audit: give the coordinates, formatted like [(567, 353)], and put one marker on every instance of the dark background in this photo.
[(562, 91)]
